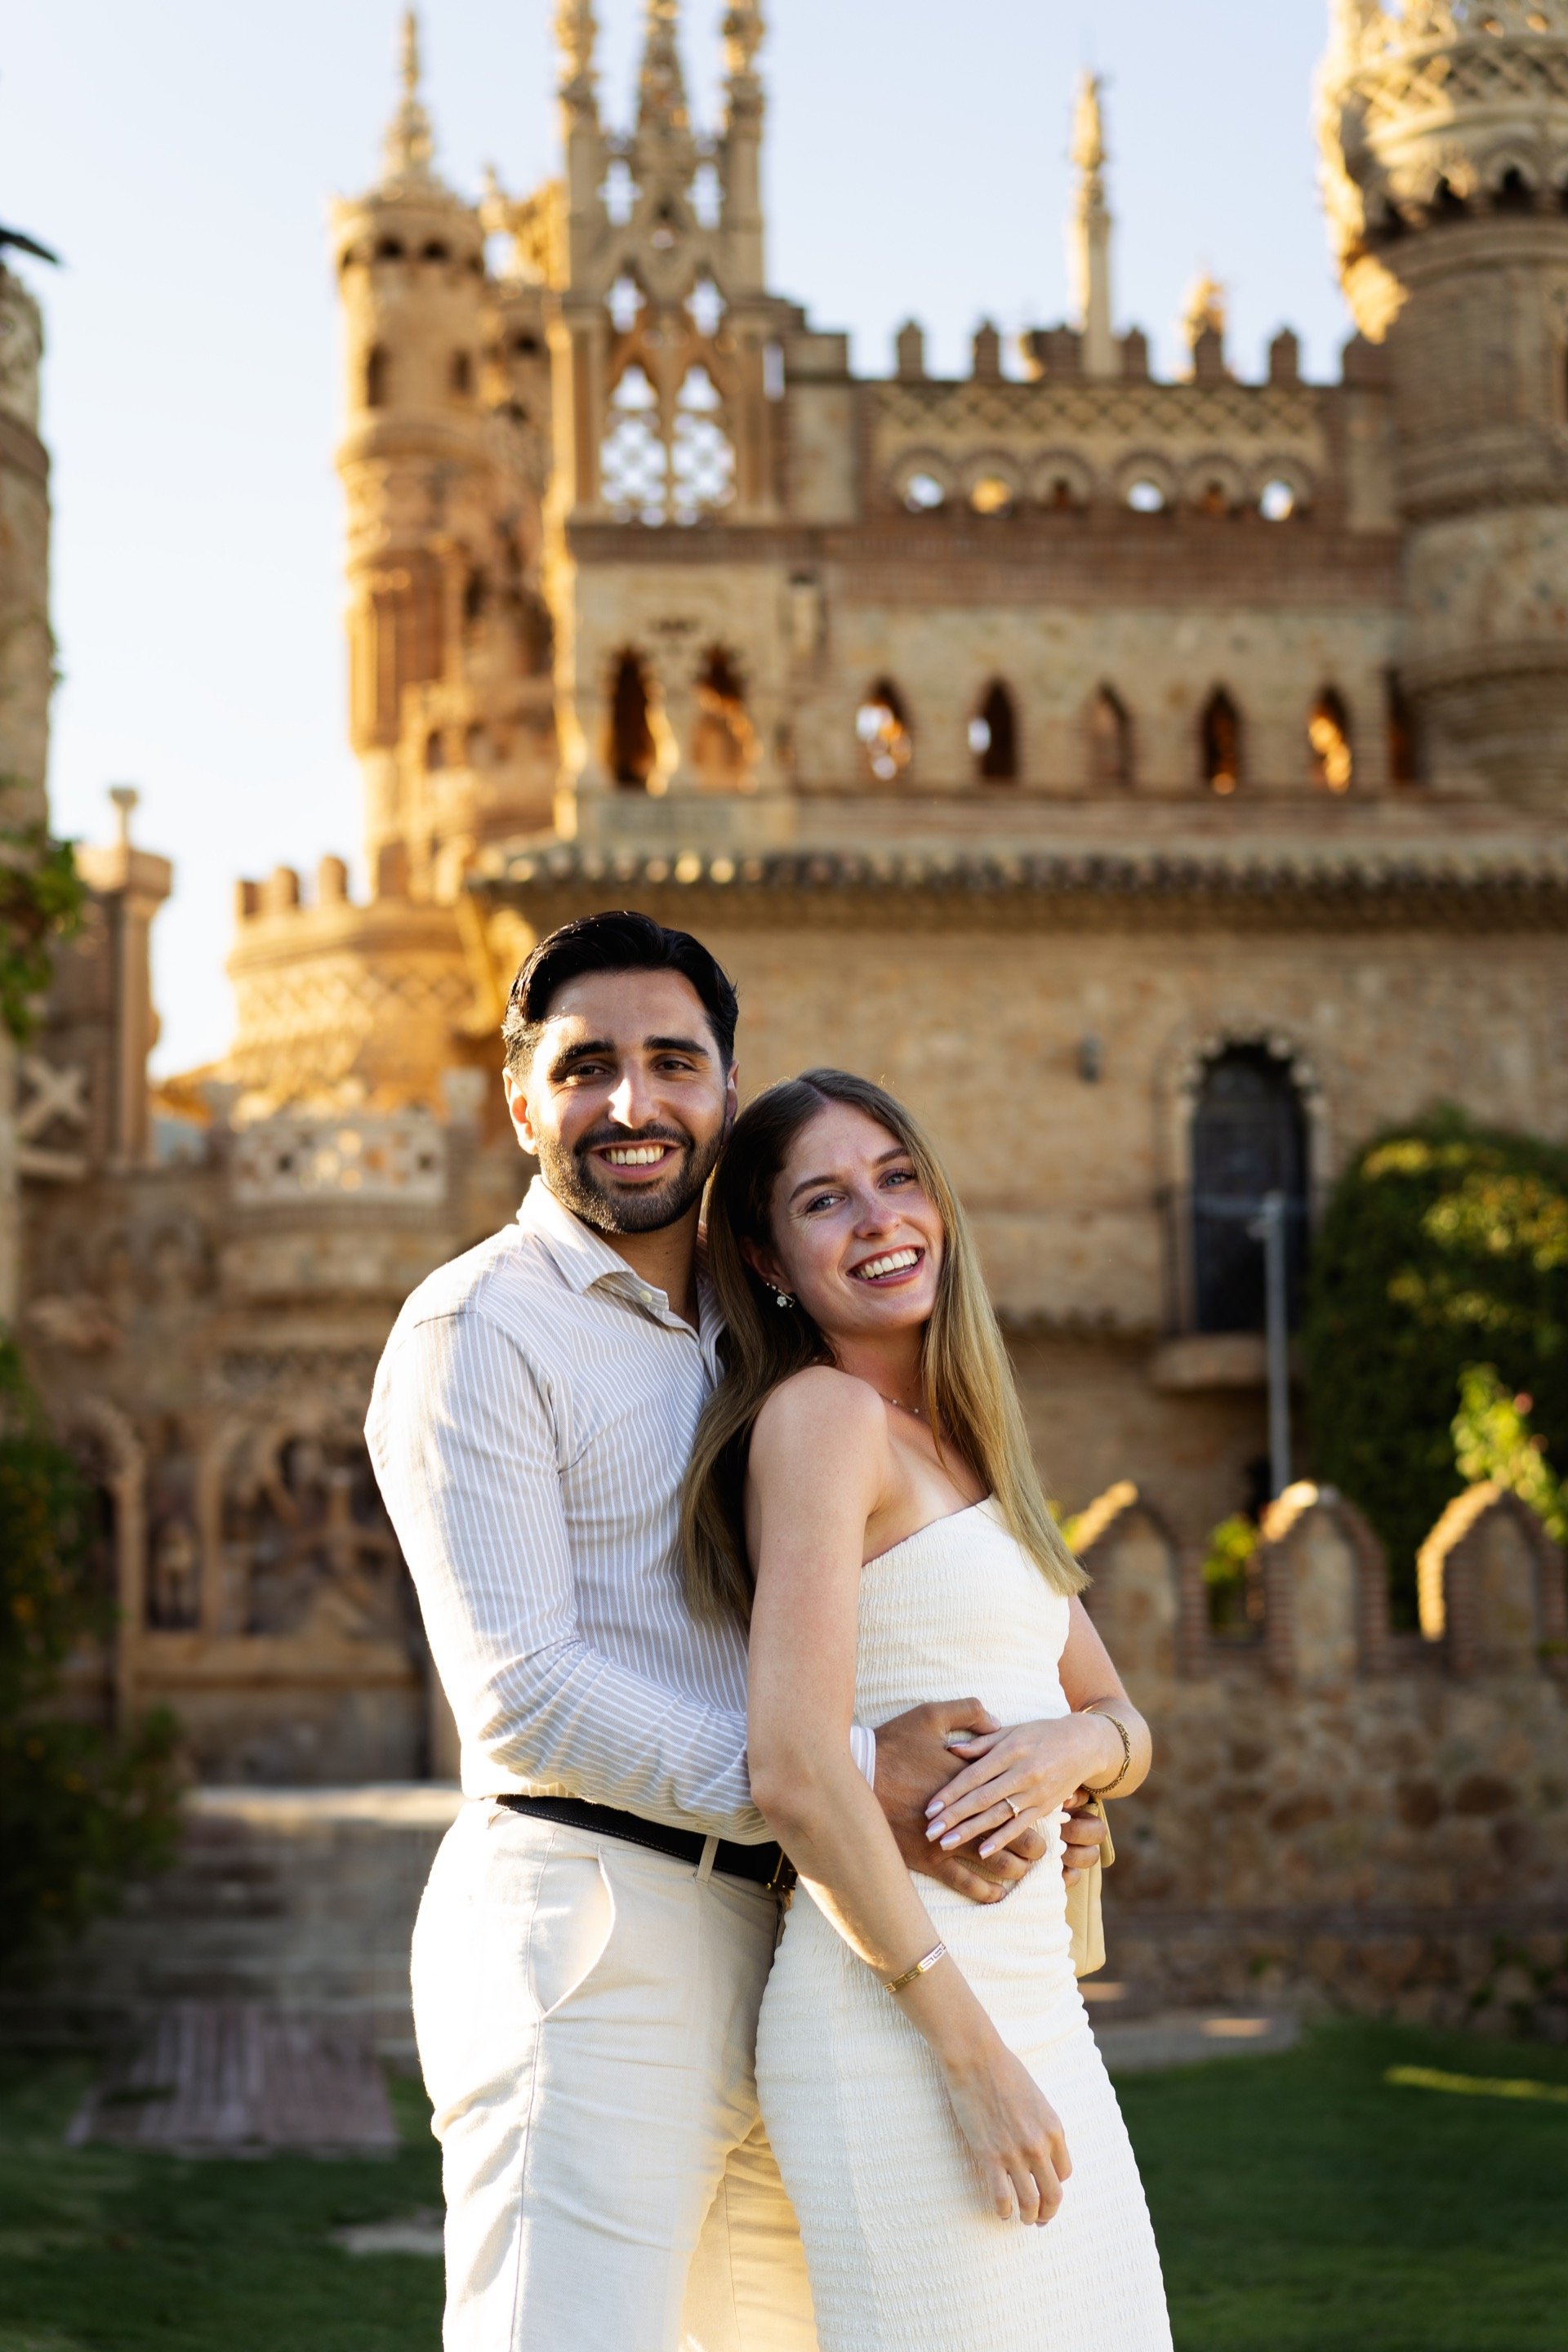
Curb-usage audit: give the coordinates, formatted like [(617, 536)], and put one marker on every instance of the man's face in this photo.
[(627, 1102)]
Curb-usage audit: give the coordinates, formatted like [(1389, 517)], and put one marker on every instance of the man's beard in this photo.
[(573, 1177)]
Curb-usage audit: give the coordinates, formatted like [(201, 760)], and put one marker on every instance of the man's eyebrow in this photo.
[(898, 1151), (677, 1045), (575, 1052)]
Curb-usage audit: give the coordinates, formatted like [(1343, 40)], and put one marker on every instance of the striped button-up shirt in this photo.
[(530, 1423)]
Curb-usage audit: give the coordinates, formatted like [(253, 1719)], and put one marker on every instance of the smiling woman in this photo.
[(863, 1496)]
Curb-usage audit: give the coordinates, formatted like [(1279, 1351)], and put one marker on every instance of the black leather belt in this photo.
[(765, 1866)]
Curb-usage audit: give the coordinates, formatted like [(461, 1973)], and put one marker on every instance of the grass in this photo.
[(1304, 2204), (106, 2250)]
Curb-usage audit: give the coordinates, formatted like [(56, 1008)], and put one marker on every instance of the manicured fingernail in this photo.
[(936, 1828), (934, 1807), (952, 1841)]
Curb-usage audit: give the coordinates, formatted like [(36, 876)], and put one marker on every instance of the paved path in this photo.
[(230, 2078)]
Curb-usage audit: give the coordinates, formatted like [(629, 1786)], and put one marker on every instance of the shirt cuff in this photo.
[(863, 1747)]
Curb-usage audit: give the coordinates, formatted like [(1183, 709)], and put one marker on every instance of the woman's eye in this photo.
[(900, 1176), (822, 1201)]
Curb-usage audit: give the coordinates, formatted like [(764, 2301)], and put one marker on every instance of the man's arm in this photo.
[(463, 1447)]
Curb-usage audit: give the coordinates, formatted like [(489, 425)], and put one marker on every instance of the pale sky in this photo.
[(181, 156)]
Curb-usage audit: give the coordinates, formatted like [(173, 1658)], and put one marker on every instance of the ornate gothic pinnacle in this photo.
[(576, 34), (409, 145), (661, 102), (743, 31), (1089, 130)]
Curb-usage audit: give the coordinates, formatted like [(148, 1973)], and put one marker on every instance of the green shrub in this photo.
[(1445, 1246), (1230, 1582), (81, 1808), (1493, 1439)]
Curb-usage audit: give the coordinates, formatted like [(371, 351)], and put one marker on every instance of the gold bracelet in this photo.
[(937, 1952), (1111, 1786)]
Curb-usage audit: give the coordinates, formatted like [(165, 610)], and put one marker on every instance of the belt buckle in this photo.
[(784, 1877)]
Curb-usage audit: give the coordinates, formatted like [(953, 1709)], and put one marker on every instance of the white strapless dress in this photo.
[(904, 2252)]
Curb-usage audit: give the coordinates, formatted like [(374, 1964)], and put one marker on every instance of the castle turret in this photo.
[(1445, 131), (414, 461)]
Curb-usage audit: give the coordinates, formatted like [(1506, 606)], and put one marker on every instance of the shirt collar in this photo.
[(583, 1259)]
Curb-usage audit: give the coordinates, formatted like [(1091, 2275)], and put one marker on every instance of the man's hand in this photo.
[(913, 1762), (1081, 1834)]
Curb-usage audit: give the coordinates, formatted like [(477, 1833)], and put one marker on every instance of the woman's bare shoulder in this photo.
[(821, 1409)]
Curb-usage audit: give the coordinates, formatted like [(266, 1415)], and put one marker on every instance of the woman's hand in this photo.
[(1020, 1774), (1014, 2130)]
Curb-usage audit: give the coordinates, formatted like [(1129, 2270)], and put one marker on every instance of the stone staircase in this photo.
[(293, 1900)]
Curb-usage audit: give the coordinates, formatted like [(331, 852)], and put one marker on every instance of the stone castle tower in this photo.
[(1162, 784), (1444, 133)]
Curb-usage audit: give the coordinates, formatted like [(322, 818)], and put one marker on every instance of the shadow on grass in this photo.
[(1304, 2204), (103, 2250)]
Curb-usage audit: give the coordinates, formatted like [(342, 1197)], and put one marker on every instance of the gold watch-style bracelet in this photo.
[(920, 1968), (1111, 1786)]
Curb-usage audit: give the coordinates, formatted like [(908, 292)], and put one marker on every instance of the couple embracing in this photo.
[(707, 1536)]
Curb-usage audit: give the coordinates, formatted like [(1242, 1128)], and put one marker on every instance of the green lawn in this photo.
[(1304, 2204)]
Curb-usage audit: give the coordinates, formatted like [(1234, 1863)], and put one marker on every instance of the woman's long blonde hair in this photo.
[(971, 1400)]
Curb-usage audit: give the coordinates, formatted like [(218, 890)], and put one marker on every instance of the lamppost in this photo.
[(1269, 1227)]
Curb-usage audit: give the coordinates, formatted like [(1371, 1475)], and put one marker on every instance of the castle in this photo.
[(1163, 785)]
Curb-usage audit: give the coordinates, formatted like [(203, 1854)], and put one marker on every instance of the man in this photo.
[(595, 1940)]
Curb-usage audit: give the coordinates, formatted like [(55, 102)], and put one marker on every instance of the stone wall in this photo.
[(1383, 1822)]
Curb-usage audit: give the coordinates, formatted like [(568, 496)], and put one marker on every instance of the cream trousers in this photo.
[(586, 2014)]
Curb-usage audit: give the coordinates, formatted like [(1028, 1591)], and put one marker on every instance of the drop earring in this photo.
[(784, 1298)]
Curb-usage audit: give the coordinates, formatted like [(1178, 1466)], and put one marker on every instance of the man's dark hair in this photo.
[(621, 941)]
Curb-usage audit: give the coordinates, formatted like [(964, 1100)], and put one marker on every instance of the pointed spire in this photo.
[(743, 31), (576, 36), (661, 88), (409, 146), (1090, 235), (1088, 129)]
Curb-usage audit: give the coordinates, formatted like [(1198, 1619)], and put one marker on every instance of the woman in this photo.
[(862, 1496)]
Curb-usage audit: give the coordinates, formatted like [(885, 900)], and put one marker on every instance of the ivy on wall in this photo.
[(81, 1808), (42, 900), (1445, 1246)]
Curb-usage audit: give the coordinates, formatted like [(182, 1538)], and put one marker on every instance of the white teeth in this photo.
[(894, 1263), (635, 1155)]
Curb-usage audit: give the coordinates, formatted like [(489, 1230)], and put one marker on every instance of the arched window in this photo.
[(1109, 740), (461, 374), (994, 737), (1329, 739), (377, 370), (723, 740), (883, 728), (1249, 1139), (435, 750), (632, 749), (1219, 739), (1514, 192), (1404, 737)]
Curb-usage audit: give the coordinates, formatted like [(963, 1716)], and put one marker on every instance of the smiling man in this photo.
[(593, 1942)]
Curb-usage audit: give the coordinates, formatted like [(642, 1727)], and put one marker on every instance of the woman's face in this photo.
[(854, 1237)]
